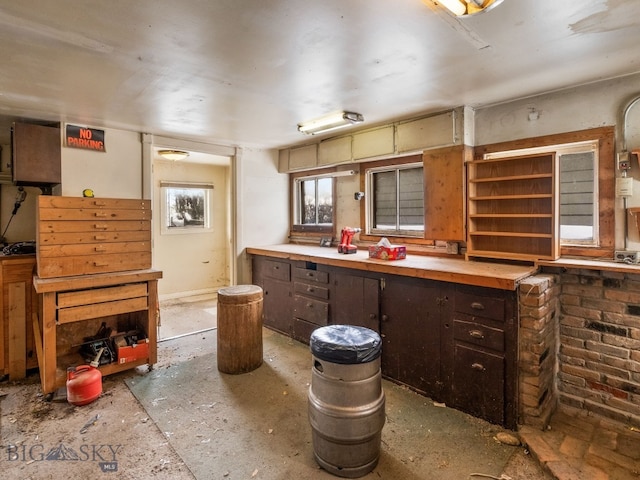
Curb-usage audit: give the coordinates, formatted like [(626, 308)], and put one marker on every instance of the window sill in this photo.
[(581, 263)]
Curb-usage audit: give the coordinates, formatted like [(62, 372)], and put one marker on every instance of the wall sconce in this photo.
[(468, 7), (330, 122), (174, 155)]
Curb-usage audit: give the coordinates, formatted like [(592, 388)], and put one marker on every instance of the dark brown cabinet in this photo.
[(310, 300), (36, 155), (274, 276), (355, 299), (454, 343), (485, 354), (414, 313)]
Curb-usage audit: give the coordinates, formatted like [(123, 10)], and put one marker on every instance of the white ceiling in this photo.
[(245, 72)]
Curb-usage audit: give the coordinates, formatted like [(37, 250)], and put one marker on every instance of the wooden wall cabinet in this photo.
[(36, 154), (17, 303), (513, 209)]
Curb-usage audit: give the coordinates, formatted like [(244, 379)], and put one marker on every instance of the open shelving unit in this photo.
[(513, 208)]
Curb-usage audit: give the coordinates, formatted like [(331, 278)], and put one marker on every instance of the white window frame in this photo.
[(167, 191)]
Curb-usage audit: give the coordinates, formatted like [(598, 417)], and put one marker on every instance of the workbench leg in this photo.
[(152, 317), (49, 347)]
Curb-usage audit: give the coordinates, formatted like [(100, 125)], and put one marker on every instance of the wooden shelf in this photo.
[(511, 178), (512, 208)]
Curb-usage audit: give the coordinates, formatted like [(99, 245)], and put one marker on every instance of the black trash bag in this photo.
[(345, 344)]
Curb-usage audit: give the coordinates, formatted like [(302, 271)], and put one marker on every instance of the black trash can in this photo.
[(346, 400)]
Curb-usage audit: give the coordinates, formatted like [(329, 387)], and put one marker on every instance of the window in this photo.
[(186, 207), (395, 204), (578, 189), (313, 203)]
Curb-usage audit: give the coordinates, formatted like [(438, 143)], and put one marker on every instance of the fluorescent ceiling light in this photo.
[(468, 7), (330, 122), (174, 155), (454, 6)]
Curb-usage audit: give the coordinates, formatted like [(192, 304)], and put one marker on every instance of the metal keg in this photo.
[(346, 400)]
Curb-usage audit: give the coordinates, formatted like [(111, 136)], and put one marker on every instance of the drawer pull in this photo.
[(310, 289), (276, 268), (100, 204), (476, 334), (478, 366), (100, 249), (309, 305), (99, 237), (101, 214), (100, 264), (477, 306), (100, 226)]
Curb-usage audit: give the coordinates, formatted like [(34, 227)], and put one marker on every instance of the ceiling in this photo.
[(242, 72)]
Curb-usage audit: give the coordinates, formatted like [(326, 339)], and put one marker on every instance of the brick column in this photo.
[(538, 298)]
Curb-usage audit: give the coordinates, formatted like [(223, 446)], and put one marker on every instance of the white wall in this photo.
[(194, 262), (116, 173), (579, 108), (262, 204)]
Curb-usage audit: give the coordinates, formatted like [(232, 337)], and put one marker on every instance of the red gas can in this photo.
[(84, 384)]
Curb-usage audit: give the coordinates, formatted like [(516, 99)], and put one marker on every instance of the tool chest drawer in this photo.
[(80, 236), (314, 311)]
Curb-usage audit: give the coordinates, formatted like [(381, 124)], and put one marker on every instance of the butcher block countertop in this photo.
[(483, 274)]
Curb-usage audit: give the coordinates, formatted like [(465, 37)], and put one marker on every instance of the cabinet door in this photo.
[(355, 301), (444, 199), (277, 305), (36, 154), (411, 335)]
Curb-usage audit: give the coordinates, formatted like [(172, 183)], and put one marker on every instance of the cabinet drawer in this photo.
[(79, 214), (87, 264), (93, 249), (313, 311), (277, 270), (311, 275), (311, 290), (302, 330), (478, 334), (99, 295), (97, 310), (63, 233), (99, 203), (488, 307)]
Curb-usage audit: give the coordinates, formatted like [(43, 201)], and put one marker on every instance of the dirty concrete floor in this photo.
[(189, 421)]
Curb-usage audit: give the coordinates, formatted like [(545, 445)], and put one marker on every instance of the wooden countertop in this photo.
[(78, 282), (485, 274)]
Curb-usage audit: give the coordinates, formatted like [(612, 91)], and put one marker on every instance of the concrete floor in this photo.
[(184, 420)]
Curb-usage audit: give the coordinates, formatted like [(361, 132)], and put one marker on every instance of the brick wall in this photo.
[(599, 349), (538, 298)]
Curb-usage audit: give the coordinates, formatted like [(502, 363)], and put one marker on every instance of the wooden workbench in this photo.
[(81, 301), (504, 276)]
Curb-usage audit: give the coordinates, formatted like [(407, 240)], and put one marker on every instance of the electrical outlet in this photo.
[(624, 256)]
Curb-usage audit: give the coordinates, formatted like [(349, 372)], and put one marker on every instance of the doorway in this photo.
[(192, 238)]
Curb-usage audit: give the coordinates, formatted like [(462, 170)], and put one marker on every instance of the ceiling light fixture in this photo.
[(330, 122), (174, 155), (468, 7)]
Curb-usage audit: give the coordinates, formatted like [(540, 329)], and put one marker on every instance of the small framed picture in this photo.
[(325, 242)]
